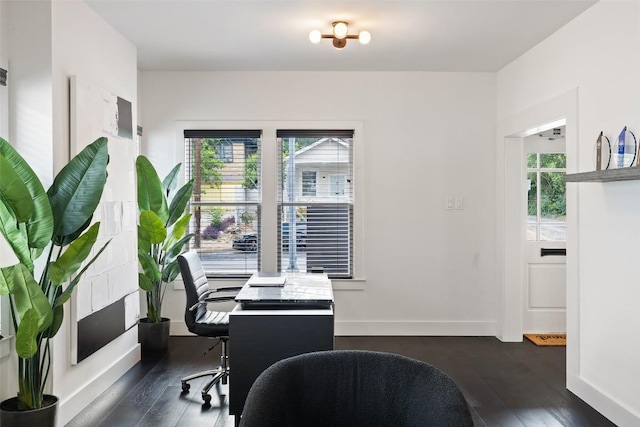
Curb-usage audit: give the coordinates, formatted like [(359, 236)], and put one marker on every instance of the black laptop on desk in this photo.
[(299, 291)]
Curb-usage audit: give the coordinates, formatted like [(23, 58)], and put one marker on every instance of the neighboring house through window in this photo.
[(316, 227), (225, 151), (225, 205), (284, 202)]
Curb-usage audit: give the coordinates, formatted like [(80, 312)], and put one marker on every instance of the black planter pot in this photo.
[(153, 337), (43, 417)]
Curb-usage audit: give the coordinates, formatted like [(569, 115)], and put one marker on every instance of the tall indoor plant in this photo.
[(56, 222), (162, 235)]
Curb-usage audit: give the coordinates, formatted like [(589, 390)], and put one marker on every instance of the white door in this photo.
[(545, 246)]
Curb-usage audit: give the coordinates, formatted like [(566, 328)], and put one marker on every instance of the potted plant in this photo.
[(162, 235), (56, 222)]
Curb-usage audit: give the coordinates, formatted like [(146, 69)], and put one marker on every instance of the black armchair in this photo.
[(354, 388), (202, 321)]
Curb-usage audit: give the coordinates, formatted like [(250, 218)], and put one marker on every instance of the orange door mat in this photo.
[(547, 339)]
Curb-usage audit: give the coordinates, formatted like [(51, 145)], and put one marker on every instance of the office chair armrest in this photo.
[(206, 294), (219, 299), (211, 299), (228, 289)]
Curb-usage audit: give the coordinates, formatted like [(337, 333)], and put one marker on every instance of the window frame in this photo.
[(308, 190), (226, 151), (269, 197), (538, 170), (337, 183), (229, 139)]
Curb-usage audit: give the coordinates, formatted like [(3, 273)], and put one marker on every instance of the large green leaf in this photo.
[(13, 192), (151, 228), (150, 196), (178, 231), (64, 296), (77, 189), (143, 244), (4, 286), (176, 249), (170, 272), (164, 211), (40, 225), (28, 295), (149, 266), (179, 202), (58, 316), (65, 240), (144, 282), (26, 344), (15, 235), (171, 180), (70, 261)]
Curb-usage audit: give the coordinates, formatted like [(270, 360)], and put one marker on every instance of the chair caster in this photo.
[(206, 398), (186, 387)]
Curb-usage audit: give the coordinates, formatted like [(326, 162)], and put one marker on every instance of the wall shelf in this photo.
[(623, 174)]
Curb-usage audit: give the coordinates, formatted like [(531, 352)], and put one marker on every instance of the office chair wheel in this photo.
[(186, 387), (206, 398)]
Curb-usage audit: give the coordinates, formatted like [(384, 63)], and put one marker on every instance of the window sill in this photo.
[(5, 347)]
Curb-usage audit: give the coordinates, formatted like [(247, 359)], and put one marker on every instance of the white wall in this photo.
[(427, 136), (46, 42), (84, 45), (595, 53)]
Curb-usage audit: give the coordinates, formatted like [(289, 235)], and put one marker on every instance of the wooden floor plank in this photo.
[(506, 384)]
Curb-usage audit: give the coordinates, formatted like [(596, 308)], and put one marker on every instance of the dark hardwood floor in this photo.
[(506, 384)]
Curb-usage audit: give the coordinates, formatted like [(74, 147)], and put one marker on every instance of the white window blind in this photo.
[(316, 226), (226, 201)]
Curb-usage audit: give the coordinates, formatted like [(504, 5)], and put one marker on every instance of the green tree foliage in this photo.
[(251, 172), (299, 144), (210, 162), (217, 215), (553, 200)]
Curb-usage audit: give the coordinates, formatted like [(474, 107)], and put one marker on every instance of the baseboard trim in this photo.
[(419, 328), (83, 396), (392, 328), (615, 411)]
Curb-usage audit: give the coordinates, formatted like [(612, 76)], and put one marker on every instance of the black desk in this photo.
[(259, 337)]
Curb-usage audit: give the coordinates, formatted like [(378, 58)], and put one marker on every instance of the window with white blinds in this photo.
[(225, 206), (316, 201)]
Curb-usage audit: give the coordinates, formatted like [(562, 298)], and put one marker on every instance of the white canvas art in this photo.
[(111, 283)]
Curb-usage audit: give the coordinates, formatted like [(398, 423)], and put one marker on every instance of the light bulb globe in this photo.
[(364, 37), (340, 30), (315, 36)]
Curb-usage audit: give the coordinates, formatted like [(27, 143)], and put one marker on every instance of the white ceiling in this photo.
[(272, 35)]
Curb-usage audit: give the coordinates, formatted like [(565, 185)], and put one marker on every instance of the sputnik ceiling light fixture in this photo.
[(340, 35)]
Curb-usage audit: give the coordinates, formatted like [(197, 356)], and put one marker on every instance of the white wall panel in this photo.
[(543, 289), (427, 136), (592, 54)]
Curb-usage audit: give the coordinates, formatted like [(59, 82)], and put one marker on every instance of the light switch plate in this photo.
[(448, 204), (458, 203)]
